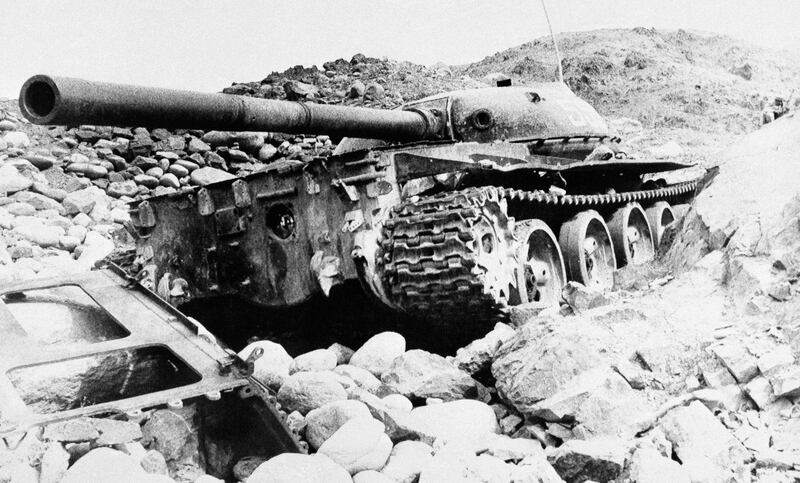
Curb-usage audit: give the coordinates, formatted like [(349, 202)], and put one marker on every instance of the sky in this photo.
[(204, 45)]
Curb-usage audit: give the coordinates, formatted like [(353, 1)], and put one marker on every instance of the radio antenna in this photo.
[(555, 44)]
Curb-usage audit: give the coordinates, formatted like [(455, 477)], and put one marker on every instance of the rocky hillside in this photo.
[(697, 89)]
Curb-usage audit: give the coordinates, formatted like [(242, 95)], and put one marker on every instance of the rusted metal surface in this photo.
[(95, 344), (64, 100)]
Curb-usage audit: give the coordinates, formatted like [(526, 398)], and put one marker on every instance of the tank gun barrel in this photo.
[(68, 101)]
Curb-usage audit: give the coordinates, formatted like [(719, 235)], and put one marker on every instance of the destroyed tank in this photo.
[(451, 208)]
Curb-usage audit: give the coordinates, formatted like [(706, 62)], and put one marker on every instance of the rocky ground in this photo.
[(686, 372)]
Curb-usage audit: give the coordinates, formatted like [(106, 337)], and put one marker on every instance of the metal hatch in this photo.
[(94, 343)]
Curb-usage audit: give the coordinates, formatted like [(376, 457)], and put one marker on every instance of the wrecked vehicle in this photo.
[(97, 345), (451, 208)]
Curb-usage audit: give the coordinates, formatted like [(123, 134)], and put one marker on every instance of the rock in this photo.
[(246, 466), (599, 459), (362, 377), (581, 298), (18, 472), (20, 209), (305, 391), (359, 445), (197, 146), (272, 368), (153, 462), (103, 465), (785, 381), (374, 91), (41, 161), (40, 234), (735, 356), (456, 420), (535, 365), (91, 171), (343, 353), (189, 165), (249, 142), (775, 359), (296, 422), (122, 188), (398, 402), (378, 353), (170, 181), (535, 469), (294, 468), (760, 391), (316, 360), (479, 354), (600, 401), (488, 468), (322, 422), (371, 476), (179, 171), (52, 193), (512, 449), (54, 464), (420, 374), (114, 432), (16, 139), (407, 460), (168, 432), (780, 290), (81, 201), (208, 175), (12, 181), (705, 448), (155, 172), (7, 125), (217, 138), (649, 466), (95, 248), (356, 90), (267, 152), (146, 180)]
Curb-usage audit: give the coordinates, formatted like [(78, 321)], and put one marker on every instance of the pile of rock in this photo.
[(384, 413), (51, 223)]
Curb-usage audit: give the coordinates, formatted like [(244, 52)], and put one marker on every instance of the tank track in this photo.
[(427, 252)]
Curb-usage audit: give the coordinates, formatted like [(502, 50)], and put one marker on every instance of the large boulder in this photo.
[(322, 422), (293, 468), (456, 420), (272, 367), (706, 448), (536, 364), (378, 353), (359, 445), (734, 212), (305, 391), (600, 402), (420, 374)]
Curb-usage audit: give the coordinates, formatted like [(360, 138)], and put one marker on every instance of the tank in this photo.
[(452, 208)]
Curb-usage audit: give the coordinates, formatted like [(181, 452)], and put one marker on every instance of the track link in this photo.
[(429, 256)]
